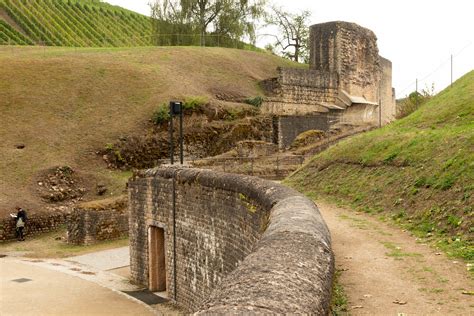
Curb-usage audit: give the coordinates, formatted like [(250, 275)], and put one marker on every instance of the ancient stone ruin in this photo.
[(347, 82)]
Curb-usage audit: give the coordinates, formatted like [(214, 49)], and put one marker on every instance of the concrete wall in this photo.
[(242, 244), (92, 222), (361, 114), (36, 224)]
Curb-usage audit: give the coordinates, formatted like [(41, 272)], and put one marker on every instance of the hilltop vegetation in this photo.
[(418, 171), (65, 105), (78, 23)]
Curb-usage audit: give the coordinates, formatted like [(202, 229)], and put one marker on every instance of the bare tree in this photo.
[(293, 33)]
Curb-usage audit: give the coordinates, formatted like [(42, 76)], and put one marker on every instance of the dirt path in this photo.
[(386, 271)]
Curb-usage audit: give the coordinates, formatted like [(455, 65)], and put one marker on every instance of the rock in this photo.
[(59, 184), (20, 146), (101, 189)]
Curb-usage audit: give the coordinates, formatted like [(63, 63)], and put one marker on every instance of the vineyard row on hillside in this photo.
[(78, 23)]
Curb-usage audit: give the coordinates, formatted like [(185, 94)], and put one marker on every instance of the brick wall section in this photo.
[(36, 224), (89, 225), (227, 260)]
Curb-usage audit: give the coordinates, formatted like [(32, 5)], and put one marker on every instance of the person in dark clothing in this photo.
[(20, 223)]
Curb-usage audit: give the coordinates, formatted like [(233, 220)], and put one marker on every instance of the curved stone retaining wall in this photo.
[(242, 244)]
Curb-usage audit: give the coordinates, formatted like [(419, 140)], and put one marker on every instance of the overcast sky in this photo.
[(418, 36)]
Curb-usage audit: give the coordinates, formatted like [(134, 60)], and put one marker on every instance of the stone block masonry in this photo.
[(349, 50), (232, 244), (36, 224), (97, 221), (346, 76)]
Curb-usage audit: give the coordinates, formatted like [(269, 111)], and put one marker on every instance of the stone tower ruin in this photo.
[(347, 80)]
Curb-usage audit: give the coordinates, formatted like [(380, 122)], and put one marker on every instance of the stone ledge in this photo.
[(290, 270)]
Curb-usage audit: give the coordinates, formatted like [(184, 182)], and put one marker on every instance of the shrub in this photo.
[(413, 101), (194, 103), (256, 102), (161, 114)]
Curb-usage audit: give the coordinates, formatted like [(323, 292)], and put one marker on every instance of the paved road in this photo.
[(28, 287), (105, 260)]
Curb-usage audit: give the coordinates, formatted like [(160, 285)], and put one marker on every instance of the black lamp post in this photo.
[(176, 108)]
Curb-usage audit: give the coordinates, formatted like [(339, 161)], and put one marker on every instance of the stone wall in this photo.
[(387, 94), (350, 51), (345, 71), (287, 128), (96, 221), (308, 85), (242, 244), (36, 224), (301, 91)]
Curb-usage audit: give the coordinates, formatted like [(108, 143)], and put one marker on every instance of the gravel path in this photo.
[(387, 271)]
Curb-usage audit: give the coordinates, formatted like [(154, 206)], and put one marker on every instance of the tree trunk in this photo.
[(202, 21), (203, 36), (297, 50)]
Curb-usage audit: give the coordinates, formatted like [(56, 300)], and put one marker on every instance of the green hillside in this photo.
[(418, 171), (78, 23)]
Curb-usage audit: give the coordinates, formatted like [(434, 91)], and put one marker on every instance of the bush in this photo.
[(161, 114), (256, 102), (413, 101), (194, 103)]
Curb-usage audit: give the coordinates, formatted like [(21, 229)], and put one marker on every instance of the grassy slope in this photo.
[(65, 104), (79, 23), (418, 170)]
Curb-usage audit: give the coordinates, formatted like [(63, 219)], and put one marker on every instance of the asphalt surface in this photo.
[(35, 287)]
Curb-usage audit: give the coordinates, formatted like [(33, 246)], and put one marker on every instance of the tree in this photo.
[(413, 101), (293, 33), (202, 13), (231, 18), (168, 21), (238, 19)]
